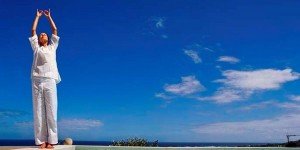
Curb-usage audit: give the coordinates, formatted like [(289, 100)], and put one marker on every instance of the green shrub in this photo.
[(135, 142)]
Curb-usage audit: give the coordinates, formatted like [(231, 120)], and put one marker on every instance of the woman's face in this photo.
[(43, 38)]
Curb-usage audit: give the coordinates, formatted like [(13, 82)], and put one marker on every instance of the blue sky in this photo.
[(190, 71)]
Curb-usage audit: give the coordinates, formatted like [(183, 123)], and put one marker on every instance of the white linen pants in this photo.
[(45, 110)]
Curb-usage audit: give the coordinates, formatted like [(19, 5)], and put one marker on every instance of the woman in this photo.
[(44, 77)]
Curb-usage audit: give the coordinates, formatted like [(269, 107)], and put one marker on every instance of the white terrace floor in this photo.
[(90, 147), (58, 147)]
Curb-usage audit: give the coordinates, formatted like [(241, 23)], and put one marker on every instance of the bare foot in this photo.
[(49, 146), (43, 145)]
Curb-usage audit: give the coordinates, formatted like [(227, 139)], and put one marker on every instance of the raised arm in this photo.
[(52, 24), (35, 22)]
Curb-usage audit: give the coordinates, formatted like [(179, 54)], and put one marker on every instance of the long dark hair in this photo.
[(39, 39)]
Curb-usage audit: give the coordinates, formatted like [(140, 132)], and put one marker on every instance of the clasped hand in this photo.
[(39, 13)]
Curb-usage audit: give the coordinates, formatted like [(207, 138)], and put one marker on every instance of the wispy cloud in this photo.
[(159, 22), (259, 105), (194, 55), (24, 124), (290, 106), (188, 86), (262, 79), (229, 59), (155, 26), (236, 86), (295, 97), (273, 129), (227, 95), (80, 124), (164, 96), (240, 85), (218, 66), (198, 47), (193, 50), (7, 113), (68, 124), (164, 36)]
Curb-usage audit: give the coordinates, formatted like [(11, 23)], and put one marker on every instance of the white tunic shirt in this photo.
[(44, 58)]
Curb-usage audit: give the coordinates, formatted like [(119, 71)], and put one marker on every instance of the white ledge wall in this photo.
[(92, 147)]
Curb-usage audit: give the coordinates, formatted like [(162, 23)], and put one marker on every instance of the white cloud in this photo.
[(273, 129), (229, 59), (155, 27), (194, 55), (7, 113), (164, 36), (236, 86), (295, 97), (290, 106), (240, 85), (227, 95), (24, 124), (199, 47), (79, 124), (68, 124), (189, 85), (259, 105), (262, 79), (159, 22), (208, 49), (218, 66), (163, 96)]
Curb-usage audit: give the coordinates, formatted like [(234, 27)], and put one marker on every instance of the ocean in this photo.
[(10, 142)]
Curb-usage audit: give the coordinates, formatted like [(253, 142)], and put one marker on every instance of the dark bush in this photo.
[(135, 142), (293, 144)]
